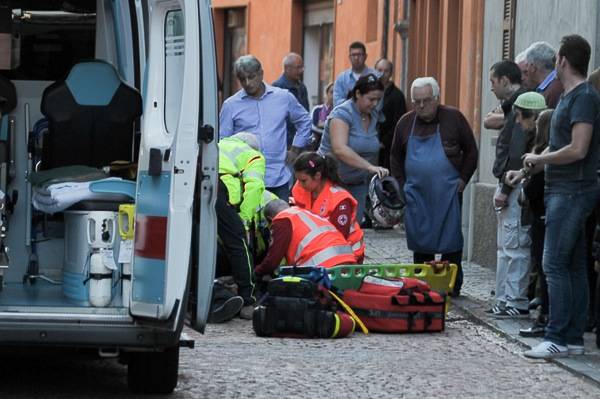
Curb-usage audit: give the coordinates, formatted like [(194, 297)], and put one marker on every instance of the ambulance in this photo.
[(108, 173)]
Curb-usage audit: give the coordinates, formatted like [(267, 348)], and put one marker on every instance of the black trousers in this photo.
[(237, 258), (451, 257), (537, 232)]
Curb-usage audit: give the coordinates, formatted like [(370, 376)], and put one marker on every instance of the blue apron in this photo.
[(432, 216)]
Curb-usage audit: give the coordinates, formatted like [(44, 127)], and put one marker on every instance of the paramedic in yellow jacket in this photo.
[(242, 170), (241, 186)]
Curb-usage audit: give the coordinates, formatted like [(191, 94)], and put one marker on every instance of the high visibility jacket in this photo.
[(242, 170), (315, 242), (328, 200)]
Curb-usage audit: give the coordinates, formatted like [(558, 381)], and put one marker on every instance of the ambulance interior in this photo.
[(70, 104)]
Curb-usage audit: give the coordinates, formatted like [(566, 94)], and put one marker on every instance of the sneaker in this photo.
[(227, 310), (536, 330), (547, 350), (576, 349), (512, 313), (496, 309), (246, 312)]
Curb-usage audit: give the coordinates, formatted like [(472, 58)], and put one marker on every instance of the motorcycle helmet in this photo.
[(387, 201)]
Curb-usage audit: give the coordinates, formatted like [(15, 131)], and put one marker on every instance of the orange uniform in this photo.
[(327, 205), (314, 241)]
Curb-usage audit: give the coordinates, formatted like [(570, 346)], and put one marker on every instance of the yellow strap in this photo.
[(336, 330), (351, 313)]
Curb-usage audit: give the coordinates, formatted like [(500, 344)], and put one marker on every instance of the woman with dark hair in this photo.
[(350, 135), (318, 189)]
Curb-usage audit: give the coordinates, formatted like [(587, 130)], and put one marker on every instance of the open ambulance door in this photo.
[(177, 159)]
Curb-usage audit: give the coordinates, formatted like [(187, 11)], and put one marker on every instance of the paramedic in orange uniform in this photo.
[(303, 239), (318, 189)]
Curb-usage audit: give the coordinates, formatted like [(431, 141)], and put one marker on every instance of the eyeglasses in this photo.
[(424, 101)]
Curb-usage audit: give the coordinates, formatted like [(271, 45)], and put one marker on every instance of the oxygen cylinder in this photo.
[(126, 224), (101, 239), (100, 281)]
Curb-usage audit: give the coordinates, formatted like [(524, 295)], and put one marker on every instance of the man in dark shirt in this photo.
[(394, 106), (513, 254), (570, 195), (433, 156), (291, 80)]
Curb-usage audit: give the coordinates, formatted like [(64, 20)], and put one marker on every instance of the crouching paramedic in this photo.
[(318, 189), (241, 186), (303, 239), (261, 233)]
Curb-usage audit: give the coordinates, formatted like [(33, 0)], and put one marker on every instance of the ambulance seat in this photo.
[(91, 116)]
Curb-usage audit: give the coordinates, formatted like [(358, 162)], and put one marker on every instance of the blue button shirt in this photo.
[(267, 117), (345, 82), (549, 79)]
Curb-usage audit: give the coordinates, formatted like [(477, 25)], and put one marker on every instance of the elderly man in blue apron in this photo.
[(433, 156)]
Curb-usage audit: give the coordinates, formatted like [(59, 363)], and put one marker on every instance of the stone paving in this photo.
[(473, 358), (479, 283), (469, 360)]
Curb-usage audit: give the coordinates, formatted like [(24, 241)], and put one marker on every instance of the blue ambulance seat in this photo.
[(91, 116)]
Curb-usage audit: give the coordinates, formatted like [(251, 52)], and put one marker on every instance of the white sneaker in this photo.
[(576, 349), (547, 350)]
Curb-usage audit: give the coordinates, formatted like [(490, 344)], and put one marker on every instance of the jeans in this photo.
[(359, 192), (565, 264), (513, 255)]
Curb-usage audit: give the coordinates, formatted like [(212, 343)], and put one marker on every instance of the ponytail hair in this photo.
[(311, 162)]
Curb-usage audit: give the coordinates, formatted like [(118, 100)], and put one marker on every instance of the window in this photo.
[(45, 42), (508, 30), (174, 65), (235, 47)]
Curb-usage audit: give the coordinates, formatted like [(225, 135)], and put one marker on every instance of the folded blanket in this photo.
[(59, 196)]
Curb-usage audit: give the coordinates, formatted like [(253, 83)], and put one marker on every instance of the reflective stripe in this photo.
[(233, 153), (253, 173), (328, 253), (314, 233), (357, 245)]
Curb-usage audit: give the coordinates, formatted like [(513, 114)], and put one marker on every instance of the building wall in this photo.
[(554, 19), (275, 27)]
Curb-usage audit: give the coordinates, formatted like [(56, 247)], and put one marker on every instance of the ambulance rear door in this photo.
[(176, 159)]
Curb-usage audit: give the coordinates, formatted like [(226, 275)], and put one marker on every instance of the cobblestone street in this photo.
[(473, 358), (467, 360)]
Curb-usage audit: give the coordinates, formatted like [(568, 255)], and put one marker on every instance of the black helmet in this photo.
[(387, 201)]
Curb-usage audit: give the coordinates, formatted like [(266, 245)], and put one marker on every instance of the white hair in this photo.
[(249, 138), (426, 81), (247, 64), (522, 56), (542, 55)]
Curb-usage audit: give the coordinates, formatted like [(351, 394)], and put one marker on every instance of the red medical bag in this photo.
[(397, 305)]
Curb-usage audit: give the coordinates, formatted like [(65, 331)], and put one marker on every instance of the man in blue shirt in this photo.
[(540, 58), (264, 110), (293, 68), (346, 80)]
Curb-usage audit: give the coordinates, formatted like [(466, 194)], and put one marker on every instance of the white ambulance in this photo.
[(108, 171)]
